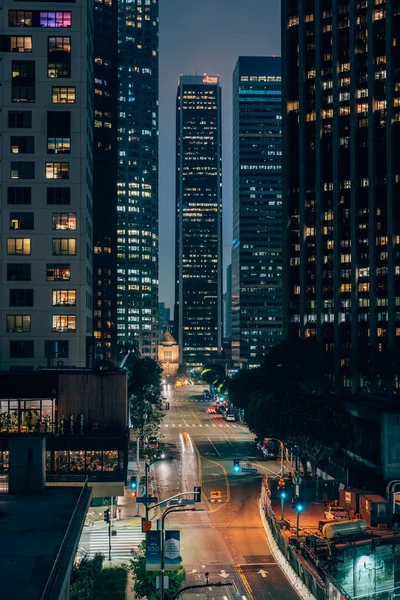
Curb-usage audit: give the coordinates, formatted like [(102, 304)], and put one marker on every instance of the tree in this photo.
[(84, 576), (147, 410), (144, 582), (145, 371), (212, 373)]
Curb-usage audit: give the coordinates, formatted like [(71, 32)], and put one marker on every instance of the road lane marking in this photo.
[(214, 447)]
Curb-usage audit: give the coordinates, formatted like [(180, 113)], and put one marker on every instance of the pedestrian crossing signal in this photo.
[(236, 465), (106, 516), (133, 484)]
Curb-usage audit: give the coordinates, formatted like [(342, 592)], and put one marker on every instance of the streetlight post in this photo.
[(299, 509), (283, 496), (165, 513), (282, 445)]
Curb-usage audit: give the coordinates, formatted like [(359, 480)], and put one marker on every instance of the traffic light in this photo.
[(133, 484), (282, 491), (236, 465), (197, 493), (297, 504), (133, 494), (106, 516)]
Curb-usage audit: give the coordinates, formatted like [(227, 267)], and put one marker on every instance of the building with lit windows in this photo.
[(227, 306), (137, 229), (257, 209), (105, 156), (341, 85), (198, 292), (46, 73)]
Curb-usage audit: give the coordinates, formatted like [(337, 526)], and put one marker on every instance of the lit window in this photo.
[(57, 170), (64, 221), (21, 43), (63, 323), (64, 246), (18, 323), (55, 19), (64, 297), (19, 246), (63, 95)]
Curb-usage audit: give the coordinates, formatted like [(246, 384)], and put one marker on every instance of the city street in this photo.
[(227, 539)]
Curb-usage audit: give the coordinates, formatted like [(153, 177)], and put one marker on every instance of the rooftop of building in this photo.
[(259, 65), (167, 339), (33, 528)]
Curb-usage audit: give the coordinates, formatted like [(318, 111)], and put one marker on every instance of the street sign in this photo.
[(215, 494), (147, 499), (180, 501), (249, 470), (153, 550)]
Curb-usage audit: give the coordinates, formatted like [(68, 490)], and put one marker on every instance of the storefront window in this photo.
[(14, 413), (77, 461), (93, 460), (27, 416), (4, 461), (110, 460), (61, 461), (4, 416)]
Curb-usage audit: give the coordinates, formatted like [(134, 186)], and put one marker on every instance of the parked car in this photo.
[(336, 513), (221, 409), (206, 394), (230, 417)]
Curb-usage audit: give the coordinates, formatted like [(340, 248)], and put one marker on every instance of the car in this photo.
[(230, 417), (206, 394), (336, 513), (221, 409), (211, 410)]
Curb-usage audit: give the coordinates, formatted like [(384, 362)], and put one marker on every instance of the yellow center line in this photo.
[(213, 509)]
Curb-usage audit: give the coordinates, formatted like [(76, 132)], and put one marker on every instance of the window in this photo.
[(64, 246), (19, 246), (22, 170), (21, 220), (57, 170), (63, 95), (21, 297), (21, 43), (22, 144), (58, 195), (63, 323), (64, 297), (58, 272), (55, 19), (19, 349), (23, 81), (59, 57), (58, 132), (18, 323), (19, 195), (64, 221), (19, 119), (20, 18), (18, 272), (56, 349)]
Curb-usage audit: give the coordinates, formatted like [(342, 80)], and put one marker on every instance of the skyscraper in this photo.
[(105, 179), (46, 184), (198, 295), (257, 209), (227, 321), (342, 177), (137, 231)]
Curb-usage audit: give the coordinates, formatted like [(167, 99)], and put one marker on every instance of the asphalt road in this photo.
[(226, 539)]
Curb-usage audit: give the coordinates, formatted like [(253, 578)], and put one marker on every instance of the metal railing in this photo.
[(66, 542)]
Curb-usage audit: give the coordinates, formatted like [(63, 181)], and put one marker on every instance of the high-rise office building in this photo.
[(198, 292), (46, 71), (342, 176), (257, 209), (227, 321), (105, 158), (137, 230)]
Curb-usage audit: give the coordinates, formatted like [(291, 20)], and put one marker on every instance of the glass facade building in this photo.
[(342, 177), (105, 179), (137, 186), (198, 296), (257, 209)]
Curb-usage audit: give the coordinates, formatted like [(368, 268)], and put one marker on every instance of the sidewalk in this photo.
[(310, 517)]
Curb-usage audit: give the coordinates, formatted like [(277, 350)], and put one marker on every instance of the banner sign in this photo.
[(153, 550), (172, 550)]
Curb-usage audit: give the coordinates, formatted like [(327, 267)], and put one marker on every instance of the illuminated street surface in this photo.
[(228, 541)]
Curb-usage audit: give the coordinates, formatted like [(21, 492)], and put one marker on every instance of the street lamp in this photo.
[(283, 496), (282, 445), (299, 509)]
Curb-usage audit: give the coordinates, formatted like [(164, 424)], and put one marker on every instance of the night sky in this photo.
[(196, 37)]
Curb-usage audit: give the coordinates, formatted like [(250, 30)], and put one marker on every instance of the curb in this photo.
[(294, 580)]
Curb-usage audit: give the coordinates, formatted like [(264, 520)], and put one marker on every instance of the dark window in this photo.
[(21, 220), (56, 349), (20, 18), (21, 297), (19, 195), (19, 349), (58, 132), (18, 323), (58, 272), (19, 119), (22, 170), (22, 144), (18, 272), (23, 81), (63, 95), (59, 57), (59, 195)]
